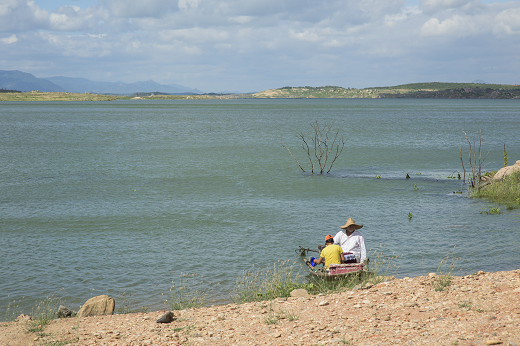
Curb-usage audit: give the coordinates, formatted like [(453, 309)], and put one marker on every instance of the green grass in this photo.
[(268, 283), (505, 191), (278, 280)]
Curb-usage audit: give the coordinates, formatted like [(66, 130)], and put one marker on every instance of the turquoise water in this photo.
[(102, 197)]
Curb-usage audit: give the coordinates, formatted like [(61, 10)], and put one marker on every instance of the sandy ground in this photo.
[(478, 309)]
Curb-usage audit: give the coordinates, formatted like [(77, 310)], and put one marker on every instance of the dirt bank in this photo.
[(479, 309)]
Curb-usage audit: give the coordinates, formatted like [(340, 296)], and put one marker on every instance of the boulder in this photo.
[(299, 292), (63, 312), (23, 318), (507, 171), (166, 318), (100, 305)]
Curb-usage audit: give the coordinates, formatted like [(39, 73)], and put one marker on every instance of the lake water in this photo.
[(103, 197)]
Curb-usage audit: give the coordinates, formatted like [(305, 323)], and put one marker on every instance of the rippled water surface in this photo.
[(113, 196)]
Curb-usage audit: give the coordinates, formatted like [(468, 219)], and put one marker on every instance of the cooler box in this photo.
[(345, 268)]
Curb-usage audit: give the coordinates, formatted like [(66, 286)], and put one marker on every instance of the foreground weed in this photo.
[(61, 343), (184, 296), (37, 327), (292, 315), (126, 305), (269, 283), (381, 266), (11, 311), (444, 276), (272, 318), (327, 285), (466, 305), (43, 314)]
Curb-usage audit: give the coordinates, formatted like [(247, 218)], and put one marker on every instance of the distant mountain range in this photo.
[(22, 81)]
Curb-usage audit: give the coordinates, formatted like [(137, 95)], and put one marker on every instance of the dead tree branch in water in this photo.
[(475, 161), (323, 148)]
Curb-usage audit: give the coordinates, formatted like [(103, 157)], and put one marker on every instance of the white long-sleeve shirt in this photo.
[(354, 243)]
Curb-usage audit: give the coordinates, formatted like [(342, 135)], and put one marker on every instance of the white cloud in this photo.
[(305, 35), (139, 8), (405, 14), (508, 22), (98, 36), (186, 4), (200, 35), (240, 19), (456, 26), (432, 6), (269, 41), (7, 7), (9, 40)]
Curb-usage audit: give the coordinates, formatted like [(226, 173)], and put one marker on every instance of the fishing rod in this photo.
[(303, 251)]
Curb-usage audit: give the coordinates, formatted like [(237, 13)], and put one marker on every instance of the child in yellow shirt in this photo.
[(331, 254)]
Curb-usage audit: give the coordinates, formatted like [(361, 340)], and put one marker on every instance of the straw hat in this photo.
[(350, 221)]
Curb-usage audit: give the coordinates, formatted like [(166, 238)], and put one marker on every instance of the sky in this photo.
[(254, 45)]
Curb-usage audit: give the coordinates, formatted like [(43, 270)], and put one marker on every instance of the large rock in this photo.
[(100, 305), (64, 312), (299, 292), (166, 318), (507, 171)]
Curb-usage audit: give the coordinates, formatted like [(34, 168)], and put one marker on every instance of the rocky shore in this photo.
[(478, 309)]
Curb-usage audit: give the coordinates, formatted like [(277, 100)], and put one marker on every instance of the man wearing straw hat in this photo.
[(351, 241)]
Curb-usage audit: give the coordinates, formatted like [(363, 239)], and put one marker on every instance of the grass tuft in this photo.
[(183, 296), (269, 283), (466, 305), (43, 314), (444, 276)]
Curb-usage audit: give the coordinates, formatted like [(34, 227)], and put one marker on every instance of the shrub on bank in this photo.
[(285, 276), (505, 191)]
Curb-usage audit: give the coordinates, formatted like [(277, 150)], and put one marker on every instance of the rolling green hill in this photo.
[(412, 90)]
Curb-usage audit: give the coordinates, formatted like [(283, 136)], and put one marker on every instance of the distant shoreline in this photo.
[(414, 90)]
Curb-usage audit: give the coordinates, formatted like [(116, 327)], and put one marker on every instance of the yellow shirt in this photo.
[(331, 253)]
